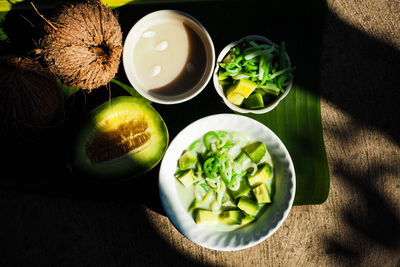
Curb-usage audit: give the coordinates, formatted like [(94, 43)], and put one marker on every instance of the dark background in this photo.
[(52, 218)]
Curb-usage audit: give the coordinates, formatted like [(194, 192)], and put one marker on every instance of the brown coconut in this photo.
[(82, 44), (30, 99)]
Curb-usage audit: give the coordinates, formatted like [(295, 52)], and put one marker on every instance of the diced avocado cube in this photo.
[(272, 89), (187, 179), (228, 198), (220, 76), (231, 217), (254, 101), (194, 205), (261, 176), (243, 189), (225, 83), (259, 91), (233, 96), (261, 193), (255, 151), (205, 216), (187, 160), (227, 59), (247, 219), (244, 87), (248, 205), (267, 98)]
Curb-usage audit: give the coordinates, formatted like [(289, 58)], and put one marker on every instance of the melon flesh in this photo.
[(126, 137)]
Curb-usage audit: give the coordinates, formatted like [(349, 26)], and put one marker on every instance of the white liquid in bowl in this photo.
[(169, 58)]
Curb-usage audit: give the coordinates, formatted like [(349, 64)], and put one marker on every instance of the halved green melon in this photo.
[(123, 137)]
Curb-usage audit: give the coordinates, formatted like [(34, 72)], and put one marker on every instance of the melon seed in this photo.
[(128, 137)]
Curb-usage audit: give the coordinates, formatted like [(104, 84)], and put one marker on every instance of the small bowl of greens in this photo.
[(227, 182), (253, 74)]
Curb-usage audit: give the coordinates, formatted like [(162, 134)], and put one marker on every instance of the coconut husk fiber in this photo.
[(82, 44), (30, 99)]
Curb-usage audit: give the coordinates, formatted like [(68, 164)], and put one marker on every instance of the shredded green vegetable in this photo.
[(236, 176), (194, 145), (264, 64), (209, 135)]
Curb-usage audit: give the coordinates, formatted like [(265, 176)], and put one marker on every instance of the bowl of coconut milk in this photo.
[(168, 57)]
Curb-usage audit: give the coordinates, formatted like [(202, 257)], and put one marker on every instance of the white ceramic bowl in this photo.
[(144, 24), (249, 235), (220, 90)]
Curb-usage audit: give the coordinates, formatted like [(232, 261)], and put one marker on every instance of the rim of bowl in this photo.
[(220, 91), (196, 26), (173, 212)]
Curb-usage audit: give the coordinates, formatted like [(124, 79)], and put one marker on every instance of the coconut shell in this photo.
[(30, 99), (82, 44)]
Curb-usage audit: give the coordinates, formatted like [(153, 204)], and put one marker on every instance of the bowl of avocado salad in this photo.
[(253, 75), (227, 182)]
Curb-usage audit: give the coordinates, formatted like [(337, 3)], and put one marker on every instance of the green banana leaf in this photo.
[(297, 122), (297, 119)]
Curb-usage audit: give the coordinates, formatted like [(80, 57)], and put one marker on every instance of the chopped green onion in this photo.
[(276, 74), (208, 195), (241, 157), (258, 52), (261, 68), (233, 65), (198, 166), (222, 134), (260, 46), (265, 73), (194, 145), (235, 177), (208, 167), (207, 137), (280, 81), (223, 175), (237, 50), (228, 145), (251, 62), (205, 187), (255, 54), (226, 74), (224, 157), (241, 76), (238, 59), (250, 66), (249, 50), (253, 44)]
